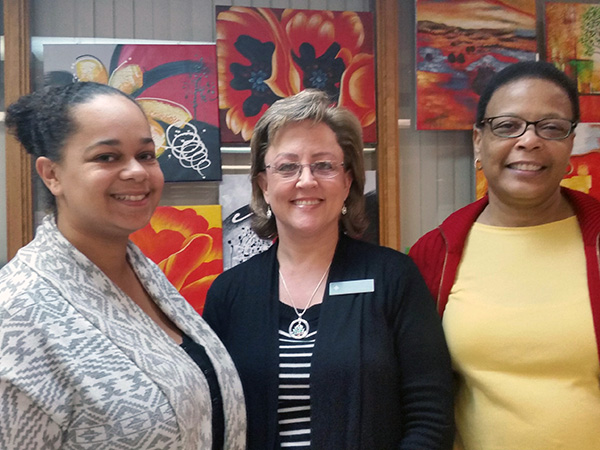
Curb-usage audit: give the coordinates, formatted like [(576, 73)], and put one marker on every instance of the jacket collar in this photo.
[(457, 226)]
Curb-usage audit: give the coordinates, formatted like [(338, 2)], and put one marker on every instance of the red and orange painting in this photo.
[(460, 45), (265, 54), (573, 45), (187, 244)]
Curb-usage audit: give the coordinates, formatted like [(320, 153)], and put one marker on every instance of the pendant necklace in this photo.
[(299, 327)]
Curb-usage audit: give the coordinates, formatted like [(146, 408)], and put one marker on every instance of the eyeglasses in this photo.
[(512, 126), (319, 169)]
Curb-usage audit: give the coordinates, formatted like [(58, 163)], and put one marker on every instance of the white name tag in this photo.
[(352, 287)]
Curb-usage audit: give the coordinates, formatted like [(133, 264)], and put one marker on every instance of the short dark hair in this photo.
[(313, 106), (528, 69), (42, 121)]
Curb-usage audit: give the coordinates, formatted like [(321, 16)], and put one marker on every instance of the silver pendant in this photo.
[(299, 328)]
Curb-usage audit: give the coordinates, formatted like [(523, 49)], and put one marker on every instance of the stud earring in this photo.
[(269, 212), (344, 210)]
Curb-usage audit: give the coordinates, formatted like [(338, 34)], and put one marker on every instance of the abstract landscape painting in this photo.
[(460, 45)]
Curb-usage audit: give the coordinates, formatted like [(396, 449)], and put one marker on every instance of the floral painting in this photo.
[(265, 54), (583, 173), (176, 85), (460, 45), (573, 45), (186, 243)]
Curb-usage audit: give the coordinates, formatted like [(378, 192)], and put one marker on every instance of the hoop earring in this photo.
[(344, 210), (269, 213), (570, 169), (477, 164)]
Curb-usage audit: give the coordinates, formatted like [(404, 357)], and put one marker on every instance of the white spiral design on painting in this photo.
[(187, 146)]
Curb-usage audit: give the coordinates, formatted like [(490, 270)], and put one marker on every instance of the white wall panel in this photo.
[(203, 22), (143, 20), (124, 19), (104, 19)]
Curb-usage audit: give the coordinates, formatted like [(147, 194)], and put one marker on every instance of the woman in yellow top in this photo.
[(516, 276)]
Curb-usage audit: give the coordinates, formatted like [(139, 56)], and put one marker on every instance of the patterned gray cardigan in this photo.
[(82, 367)]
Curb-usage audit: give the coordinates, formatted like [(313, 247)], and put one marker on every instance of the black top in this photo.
[(380, 372), (198, 354)]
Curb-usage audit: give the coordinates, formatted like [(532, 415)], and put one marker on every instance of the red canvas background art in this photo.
[(176, 85), (265, 54)]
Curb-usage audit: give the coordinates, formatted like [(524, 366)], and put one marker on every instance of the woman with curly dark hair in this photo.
[(98, 349)]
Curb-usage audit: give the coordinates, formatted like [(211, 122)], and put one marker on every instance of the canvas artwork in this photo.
[(460, 45), (240, 242), (584, 169), (573, 45), (265, 54), (176, 85), (186, 243)]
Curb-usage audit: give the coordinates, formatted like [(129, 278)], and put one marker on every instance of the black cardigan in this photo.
[(381, 374)]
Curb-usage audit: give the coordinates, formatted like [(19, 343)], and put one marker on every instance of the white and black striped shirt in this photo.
[(295, 357)]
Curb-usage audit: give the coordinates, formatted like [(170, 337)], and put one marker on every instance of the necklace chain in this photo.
[(299, 327)]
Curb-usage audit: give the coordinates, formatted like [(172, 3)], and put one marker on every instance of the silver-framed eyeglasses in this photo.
[(553, 129), (292, 170)]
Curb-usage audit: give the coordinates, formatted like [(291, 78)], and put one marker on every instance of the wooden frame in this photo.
[(388, 155), (17, 81), (19, 201)]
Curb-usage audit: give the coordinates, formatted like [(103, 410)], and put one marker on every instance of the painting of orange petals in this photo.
[(187, 244), (265, 54)]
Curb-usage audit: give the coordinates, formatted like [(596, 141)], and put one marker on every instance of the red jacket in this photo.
[(439, 252)]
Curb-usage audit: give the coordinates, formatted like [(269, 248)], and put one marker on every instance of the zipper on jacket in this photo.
[(443, 273)]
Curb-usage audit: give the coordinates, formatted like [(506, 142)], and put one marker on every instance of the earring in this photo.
[(569, 170), (344, 210), (269, 212), (477, 164)]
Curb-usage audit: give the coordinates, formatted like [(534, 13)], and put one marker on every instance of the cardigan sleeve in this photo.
[(32, 400), (426, 386), (23, 424), (428, 254), (215, 310)]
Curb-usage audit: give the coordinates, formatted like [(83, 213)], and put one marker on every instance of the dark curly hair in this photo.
[(42, 121), (528, 69), (314, 106)]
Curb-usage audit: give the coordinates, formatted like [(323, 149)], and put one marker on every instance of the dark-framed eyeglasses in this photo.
[(553, 129), (292, 170)]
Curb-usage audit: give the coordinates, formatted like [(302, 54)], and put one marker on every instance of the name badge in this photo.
[(352, 287)]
